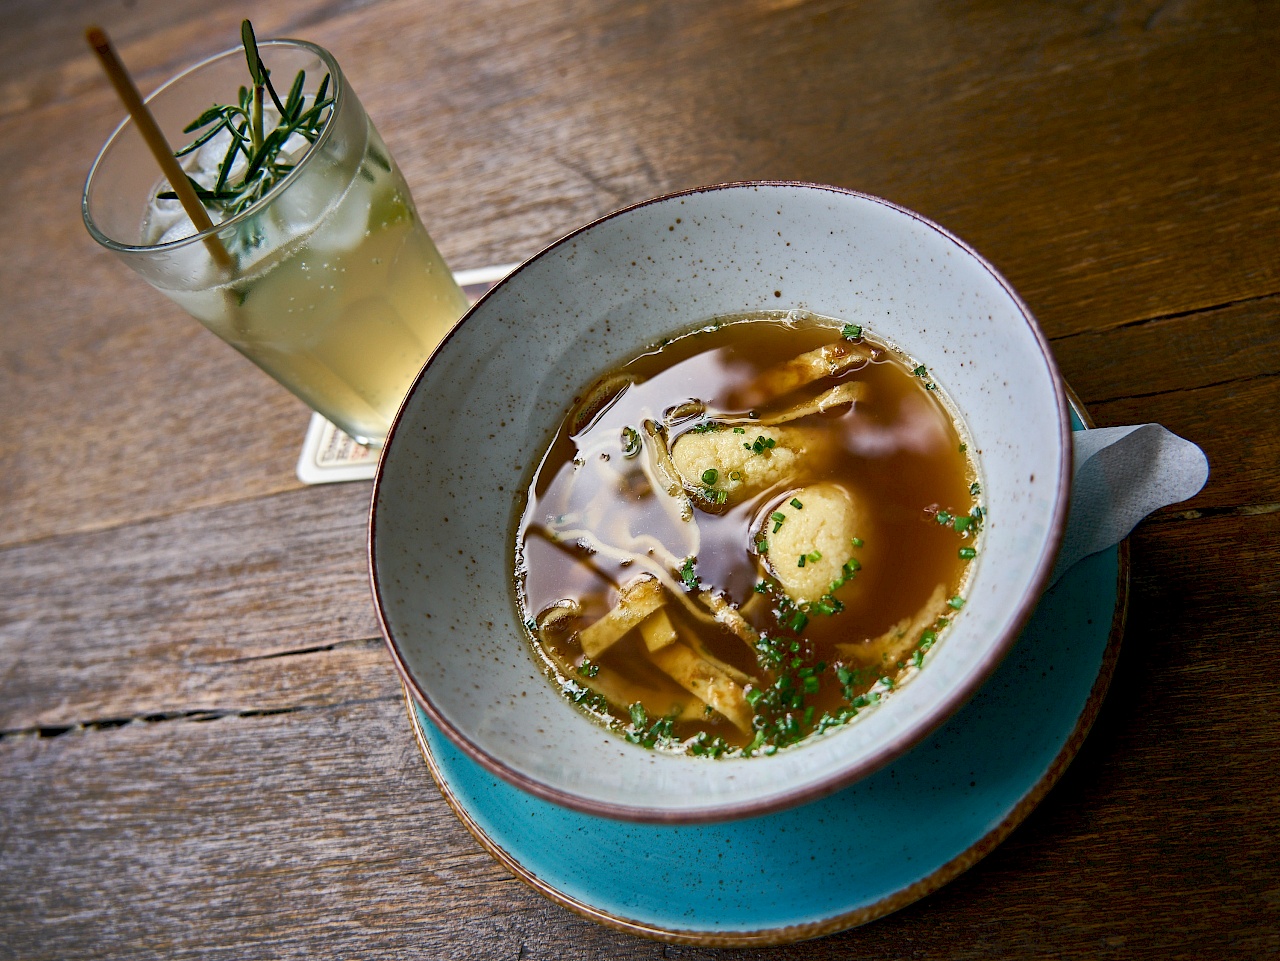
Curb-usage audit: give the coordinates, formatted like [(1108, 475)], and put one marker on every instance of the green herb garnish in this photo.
[(709, 475), (967, 553), (630, 442), (249, 138), (687, 575), (851, 331)]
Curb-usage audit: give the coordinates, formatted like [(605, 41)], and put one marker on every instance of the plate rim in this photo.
[(789, 934)]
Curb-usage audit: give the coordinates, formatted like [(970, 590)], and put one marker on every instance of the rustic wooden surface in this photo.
[(203, 750)]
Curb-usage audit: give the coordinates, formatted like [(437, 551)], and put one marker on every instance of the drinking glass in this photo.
[(332, 285)]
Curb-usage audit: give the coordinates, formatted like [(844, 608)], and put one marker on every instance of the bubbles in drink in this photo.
[(344, 314)]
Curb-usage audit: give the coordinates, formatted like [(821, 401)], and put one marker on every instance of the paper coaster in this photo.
[(329, 455)]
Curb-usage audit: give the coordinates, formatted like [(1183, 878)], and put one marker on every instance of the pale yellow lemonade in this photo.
[(344, 315)]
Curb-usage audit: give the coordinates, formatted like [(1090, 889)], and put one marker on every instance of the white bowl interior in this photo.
[(483, 410)]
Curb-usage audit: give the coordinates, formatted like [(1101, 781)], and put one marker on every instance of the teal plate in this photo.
[(845, 859)]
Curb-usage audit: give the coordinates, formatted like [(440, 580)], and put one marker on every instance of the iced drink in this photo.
[(335, 288)]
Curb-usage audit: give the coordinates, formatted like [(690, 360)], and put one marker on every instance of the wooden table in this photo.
[(203, 746)]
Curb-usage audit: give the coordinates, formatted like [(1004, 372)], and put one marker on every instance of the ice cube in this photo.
[(347, 224)]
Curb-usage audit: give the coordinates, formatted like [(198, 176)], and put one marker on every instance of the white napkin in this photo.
[(1121, 475)]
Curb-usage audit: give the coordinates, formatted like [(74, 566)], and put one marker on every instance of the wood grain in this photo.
[(1075, 149), (316, 832), (202, 741)]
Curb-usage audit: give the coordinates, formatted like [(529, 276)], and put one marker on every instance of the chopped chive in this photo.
[(961, 523), (709, 475), (800, 563), (920, 371), (975, 488), (852, 566), (814, 555), (630, 442), (687, 575), (811, 685), (778, 517), (967, 553), (943, 517), (748, 447), (796, 504), (857, 542), (956, 602), (761, 586), (851, 331), (753, 696), (739, 430), (963, 448)]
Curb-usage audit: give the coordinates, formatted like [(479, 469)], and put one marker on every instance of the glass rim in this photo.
[(339, 97)]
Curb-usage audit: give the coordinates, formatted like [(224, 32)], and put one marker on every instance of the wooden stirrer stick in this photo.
[(155, 139)]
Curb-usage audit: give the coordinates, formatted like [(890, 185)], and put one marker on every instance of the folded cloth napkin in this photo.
[(1122, 474)]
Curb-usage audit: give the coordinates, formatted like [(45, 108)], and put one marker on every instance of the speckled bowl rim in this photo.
[(772, 937), (892, 747)]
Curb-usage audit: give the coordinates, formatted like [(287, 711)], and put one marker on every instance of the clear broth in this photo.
[(897, 450)]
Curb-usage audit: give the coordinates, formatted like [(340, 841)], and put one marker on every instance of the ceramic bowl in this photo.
[(450, 483)]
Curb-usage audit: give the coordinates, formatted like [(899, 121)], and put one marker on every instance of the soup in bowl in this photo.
[(720, 503)]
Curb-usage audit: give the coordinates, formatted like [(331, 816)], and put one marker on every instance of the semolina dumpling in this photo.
[(813, 539), (744, 464)]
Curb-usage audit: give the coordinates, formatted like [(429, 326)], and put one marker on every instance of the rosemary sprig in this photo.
[(244, 122)]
